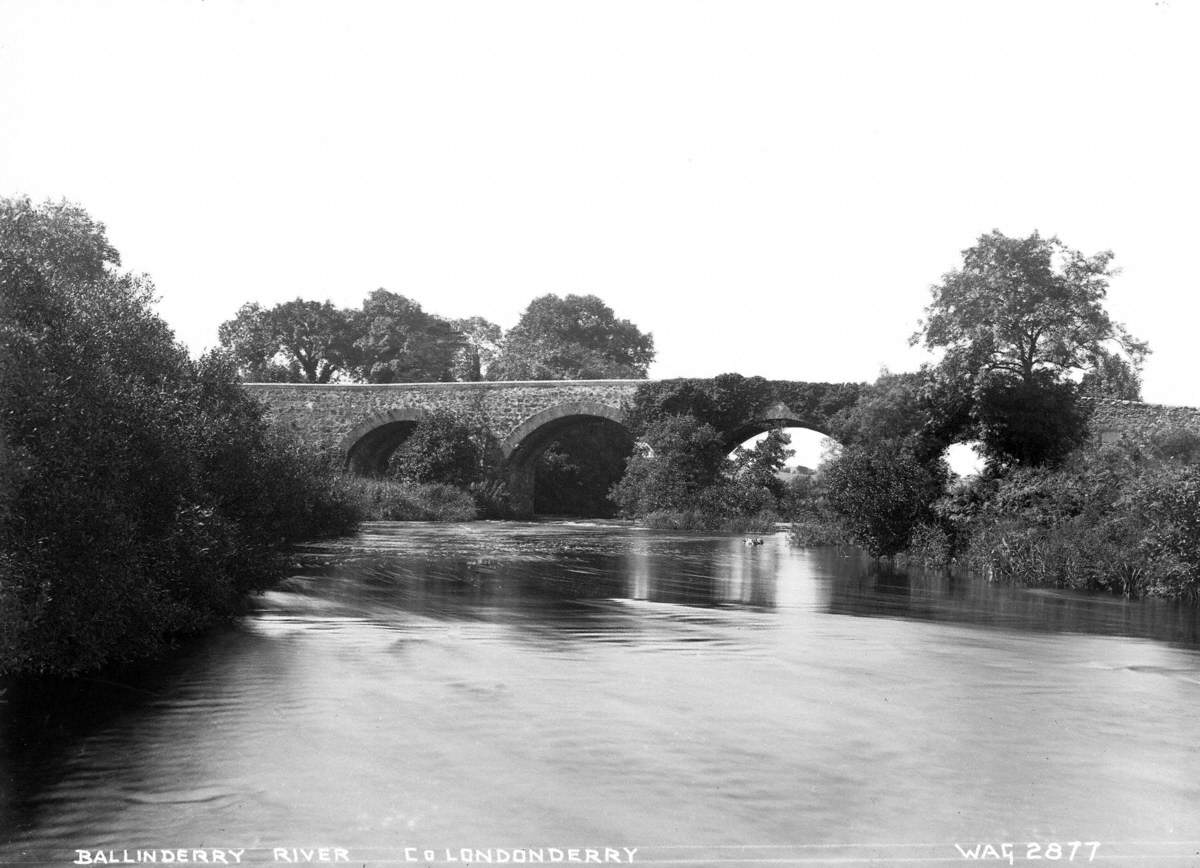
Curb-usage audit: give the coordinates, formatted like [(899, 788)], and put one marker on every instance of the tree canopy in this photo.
[(573, 338), (305, 341), (393, 340), (398, 342), (1018, 306), (478, 348)]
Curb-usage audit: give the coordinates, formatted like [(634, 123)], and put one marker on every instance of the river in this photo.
[(441, 694)]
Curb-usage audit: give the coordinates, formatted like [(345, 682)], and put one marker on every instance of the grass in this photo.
[(391, 500)]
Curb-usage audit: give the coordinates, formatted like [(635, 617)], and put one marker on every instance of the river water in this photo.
[(434, 694)]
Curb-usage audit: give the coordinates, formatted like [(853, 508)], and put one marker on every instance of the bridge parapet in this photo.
[(1112, 420), (328, 414)]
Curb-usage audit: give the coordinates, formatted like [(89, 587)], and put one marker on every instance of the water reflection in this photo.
[(879, 590), (492, 685)]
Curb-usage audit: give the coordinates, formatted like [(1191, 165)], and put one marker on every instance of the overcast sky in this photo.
[(769, 188)]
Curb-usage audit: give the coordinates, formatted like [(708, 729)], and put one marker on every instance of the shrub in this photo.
[(682, 457), (881, 493), (1123, 519), (442, 449), (390, 500), (707, 521), (929, 546)]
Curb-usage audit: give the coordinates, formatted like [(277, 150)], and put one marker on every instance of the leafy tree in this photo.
[(881, 493), (478, 348), (927, 408), (1019, 321), (1023, 305), (398, 342), (681, 456), (141, 493), (442, 449), (250, 340), (760, 465), (573, 338), (1111, 376), (298, 341), (1030, 423)]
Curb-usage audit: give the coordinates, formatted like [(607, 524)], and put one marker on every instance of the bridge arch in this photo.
[(778, 416), (369, 445), (539, 429), (525, 445)]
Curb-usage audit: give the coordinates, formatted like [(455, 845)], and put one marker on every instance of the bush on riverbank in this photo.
[(393, 500), (142, 494), (1123, 518), (763, 522), (881, 493)]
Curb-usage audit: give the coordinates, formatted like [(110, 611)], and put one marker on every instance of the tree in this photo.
[(479, 346), (881, 492), (1111, 376), (298, 341), (398, 342), (1024, 305), (760, 466), (141, 493), (573, 338), (1028, 423), (681, 457)]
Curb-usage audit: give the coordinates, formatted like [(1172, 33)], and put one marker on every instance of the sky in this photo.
[(769, 188)]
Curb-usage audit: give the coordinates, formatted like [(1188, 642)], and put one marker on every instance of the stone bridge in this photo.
[(364, 424)]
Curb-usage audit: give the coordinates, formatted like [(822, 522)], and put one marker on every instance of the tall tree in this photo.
[(398, 342), (1021, 322), (1018, 306), (573, 338), (480, 344), (304, 341)]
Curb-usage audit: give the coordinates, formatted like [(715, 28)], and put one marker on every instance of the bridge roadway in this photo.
[(364, 424)]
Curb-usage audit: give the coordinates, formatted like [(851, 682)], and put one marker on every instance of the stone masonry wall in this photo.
[(1111, 420), (326, 414)]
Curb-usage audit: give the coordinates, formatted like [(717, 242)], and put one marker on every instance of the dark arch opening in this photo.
[(574, 471), (370, 445), (564, 460)]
